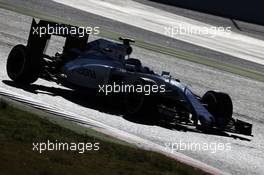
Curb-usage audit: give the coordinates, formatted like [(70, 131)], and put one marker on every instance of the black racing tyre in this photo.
[(133, 101), (20, 67), (141, 107), (220, 105)]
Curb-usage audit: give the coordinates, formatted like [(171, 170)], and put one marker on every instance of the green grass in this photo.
[(19, 129), (249, 73)]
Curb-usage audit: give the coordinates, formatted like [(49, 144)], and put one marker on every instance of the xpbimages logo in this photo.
[(79, 147), (175, 31), (212, 147), (65, 30), (128, 88)]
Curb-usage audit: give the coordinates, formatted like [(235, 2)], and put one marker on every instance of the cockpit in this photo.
[(102, 49), (108, 49)]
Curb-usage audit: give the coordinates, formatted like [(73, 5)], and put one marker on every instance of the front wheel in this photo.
[(22, 68), (133, 101), (137, 103), (220, 105)]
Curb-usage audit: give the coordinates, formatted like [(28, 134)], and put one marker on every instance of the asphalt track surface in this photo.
[(242, 27), (170, 24), (246, 154), (55, 9)]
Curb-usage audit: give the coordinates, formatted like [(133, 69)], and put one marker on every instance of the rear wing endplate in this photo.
[(42, 31)]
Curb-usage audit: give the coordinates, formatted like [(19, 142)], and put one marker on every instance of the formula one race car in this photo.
[(105, 67)]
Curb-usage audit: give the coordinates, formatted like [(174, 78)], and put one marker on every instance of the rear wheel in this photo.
[(220, 105), (21, 67)]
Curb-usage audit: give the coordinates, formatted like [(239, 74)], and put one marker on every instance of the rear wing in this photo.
[(41, 32)]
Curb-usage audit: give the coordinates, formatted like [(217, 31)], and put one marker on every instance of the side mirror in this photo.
[(126, 41), (164, 73)]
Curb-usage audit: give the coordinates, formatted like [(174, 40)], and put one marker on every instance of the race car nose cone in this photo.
[(206, 122)]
